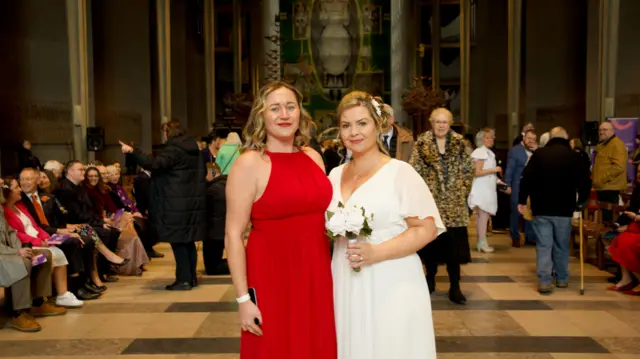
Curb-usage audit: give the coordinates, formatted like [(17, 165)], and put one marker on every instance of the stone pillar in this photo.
[(403, 56), (465, 60), (78, 64), (435, 45), (514, 67), (270, 28), (237, 46), (609, 15), (163, 21), (209, 60)]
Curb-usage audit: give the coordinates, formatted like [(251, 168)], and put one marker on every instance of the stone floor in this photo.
[(505, 317)]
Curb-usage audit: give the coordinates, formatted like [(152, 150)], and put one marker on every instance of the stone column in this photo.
[(465, 60), (609, 15), (514, 67), (237, 46), (270, 27), (78, 64), (163, 20), (403, 56), (209, 61)]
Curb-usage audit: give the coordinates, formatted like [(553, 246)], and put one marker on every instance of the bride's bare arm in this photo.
[(241, 193), (420, 233)]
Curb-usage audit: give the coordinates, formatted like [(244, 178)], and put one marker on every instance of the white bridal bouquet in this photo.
[(350, 222)]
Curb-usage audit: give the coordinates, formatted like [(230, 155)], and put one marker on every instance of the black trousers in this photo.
[(212, 251), (450, 248), (608, 197), (186, 257), (72, 249), (145, 231)]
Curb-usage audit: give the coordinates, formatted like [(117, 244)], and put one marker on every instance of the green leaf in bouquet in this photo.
[(340, 205), (329, 215)]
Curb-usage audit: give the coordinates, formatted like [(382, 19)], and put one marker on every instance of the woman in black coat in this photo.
[(213, 245), (178, 208)]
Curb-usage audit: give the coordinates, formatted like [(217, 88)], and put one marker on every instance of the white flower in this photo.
[(376, 106), (354, 220), (337, 223)]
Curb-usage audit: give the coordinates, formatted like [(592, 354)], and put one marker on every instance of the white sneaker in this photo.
[(486, 248), (68, 300)]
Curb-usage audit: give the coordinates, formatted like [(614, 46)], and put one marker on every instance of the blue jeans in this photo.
[(552, 247), (514, 224)]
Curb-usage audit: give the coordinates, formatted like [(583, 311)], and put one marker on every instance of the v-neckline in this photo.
[(362, 185)]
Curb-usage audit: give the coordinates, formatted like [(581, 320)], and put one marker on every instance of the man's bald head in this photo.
[(29, 180), (559, 132)]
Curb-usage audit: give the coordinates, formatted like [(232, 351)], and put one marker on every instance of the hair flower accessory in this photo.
[(376, 106)]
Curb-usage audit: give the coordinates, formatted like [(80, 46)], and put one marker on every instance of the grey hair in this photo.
[(480, 136), (544, 139), (234, 139)]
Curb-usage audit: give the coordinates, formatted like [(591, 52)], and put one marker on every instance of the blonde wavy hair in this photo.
[(255, 131), (375, 108)]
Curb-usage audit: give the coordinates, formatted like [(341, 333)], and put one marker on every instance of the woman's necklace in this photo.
[(364, 174)]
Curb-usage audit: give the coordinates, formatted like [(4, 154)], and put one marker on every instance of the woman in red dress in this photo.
[(279, 186)]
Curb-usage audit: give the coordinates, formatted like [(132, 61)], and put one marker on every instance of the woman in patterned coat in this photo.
[(443, 159)]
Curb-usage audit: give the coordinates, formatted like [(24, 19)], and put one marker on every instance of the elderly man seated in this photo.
[(29, 285)]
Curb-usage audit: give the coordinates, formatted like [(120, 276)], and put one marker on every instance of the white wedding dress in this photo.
[(384, 311)]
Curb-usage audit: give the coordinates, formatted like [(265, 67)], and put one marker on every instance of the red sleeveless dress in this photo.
[(289, 264)]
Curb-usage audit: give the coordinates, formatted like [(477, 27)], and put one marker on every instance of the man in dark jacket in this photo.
[(213, 245), (178, 209), (73, 197), (551, 179)]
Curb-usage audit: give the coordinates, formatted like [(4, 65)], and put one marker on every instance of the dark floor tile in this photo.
[(202, 307), (621, 345), (572, 279), (519, 345), (478, 279), (467, 344), (491, 305), (96, 308), (592, 305), (184, 346), (18, 348), (215, 280)]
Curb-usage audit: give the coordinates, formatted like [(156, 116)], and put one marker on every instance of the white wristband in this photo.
[(244, 298)]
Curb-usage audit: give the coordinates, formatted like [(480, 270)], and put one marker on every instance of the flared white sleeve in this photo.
[(415, 196)]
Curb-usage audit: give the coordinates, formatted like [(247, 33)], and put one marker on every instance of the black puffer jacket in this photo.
[(178, 206), (216, 208)]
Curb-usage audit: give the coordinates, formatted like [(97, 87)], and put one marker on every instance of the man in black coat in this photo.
[(213, 245), (178, 209), (74, 198), (551, 179)]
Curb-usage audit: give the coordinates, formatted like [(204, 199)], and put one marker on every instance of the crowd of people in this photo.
[(366, 296)]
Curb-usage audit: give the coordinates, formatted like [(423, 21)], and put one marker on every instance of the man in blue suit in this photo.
[(516, 162)]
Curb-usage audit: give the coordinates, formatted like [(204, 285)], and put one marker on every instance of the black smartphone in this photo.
[(254, 299)]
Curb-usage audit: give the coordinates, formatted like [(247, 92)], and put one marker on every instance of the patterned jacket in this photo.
[(448, 176)]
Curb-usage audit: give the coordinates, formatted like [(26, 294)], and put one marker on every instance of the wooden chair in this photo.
[(592, 227), (616, 210)]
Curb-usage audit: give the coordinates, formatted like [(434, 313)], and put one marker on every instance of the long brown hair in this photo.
[(101, 186), (374, 106), (255, 132)]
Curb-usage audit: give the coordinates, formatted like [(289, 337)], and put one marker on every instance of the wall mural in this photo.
[(331, 47)]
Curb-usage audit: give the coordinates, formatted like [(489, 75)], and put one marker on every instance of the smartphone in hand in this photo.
[(254, 299)]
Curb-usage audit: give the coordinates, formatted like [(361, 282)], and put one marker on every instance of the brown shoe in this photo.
[(515, 243), (47, 310), (26, 323)]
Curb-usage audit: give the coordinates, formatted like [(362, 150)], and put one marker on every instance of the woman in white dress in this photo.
[(483, 196), (384, 310)]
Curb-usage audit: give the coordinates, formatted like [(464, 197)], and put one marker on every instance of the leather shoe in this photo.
[(456, 296), (179, 286), (84, 294), (92, 288), (154, 254), (109, 279)]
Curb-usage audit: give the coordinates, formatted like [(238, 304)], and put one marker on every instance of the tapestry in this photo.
[(331, 47)]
